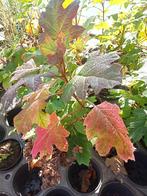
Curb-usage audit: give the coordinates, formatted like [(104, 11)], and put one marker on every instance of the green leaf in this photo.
[(138, 124), (145, 93), (85, 155), (57, 86), (68, 91), (54, 104), (80, 127), (115, 17)]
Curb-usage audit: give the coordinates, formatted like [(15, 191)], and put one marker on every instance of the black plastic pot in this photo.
[(4, 194), (27, 182), (2, 133), (137, 170), (141, 145), (10, 116), (115, 189), (75, 176), (12, 151), (2, 90), (58, 191)]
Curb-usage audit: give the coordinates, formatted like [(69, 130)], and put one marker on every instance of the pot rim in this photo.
[(131, 181), (17, 107), (23, 165), (18, 158), (98, 169), (124, 184), (60, 187)]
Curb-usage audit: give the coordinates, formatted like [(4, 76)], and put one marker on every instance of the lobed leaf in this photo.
[(9, 100), (58, 29), (104, 125), (54, 134), (98, 72), (138, 125), (27, 68), (33, 112)]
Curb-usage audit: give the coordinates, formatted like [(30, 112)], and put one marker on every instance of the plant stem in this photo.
[(78, 100), (75, 120), (70, 114), (62, 70)]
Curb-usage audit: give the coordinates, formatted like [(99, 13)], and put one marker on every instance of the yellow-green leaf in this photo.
[(117, 2), (102, 25), (97, 1), (66, 3)]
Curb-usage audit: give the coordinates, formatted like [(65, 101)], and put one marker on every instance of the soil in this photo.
[(2, 133), (137, 170), (82, 178), (11, 114), (27, 182), (10, 153)]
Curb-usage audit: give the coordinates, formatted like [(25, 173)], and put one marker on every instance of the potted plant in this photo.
[(10, 154), (59, 120)]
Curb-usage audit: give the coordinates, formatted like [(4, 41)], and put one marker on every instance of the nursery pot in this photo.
[(10, 154), (4, 194), (27, 181), (2, 133), (84, 179), (115, 189), (2, 90), (141, 145), (58, 191), (137, 170), (11, 114)]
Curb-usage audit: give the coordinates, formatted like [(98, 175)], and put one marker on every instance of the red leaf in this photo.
[(54, 134), (104, 124)]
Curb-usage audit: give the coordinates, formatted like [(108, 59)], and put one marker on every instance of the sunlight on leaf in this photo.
[(67, 3), (97, 1), (54, 134), (105, 125), (32, 113), (58, 30), (117, 2)]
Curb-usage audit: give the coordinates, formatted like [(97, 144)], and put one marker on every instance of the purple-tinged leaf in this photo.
[(58, 29)]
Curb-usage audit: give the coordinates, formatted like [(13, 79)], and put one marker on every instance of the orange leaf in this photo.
[(104, 124), (54, 134), (32, 113)]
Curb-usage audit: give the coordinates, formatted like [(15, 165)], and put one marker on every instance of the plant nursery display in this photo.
[(73, 98)]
